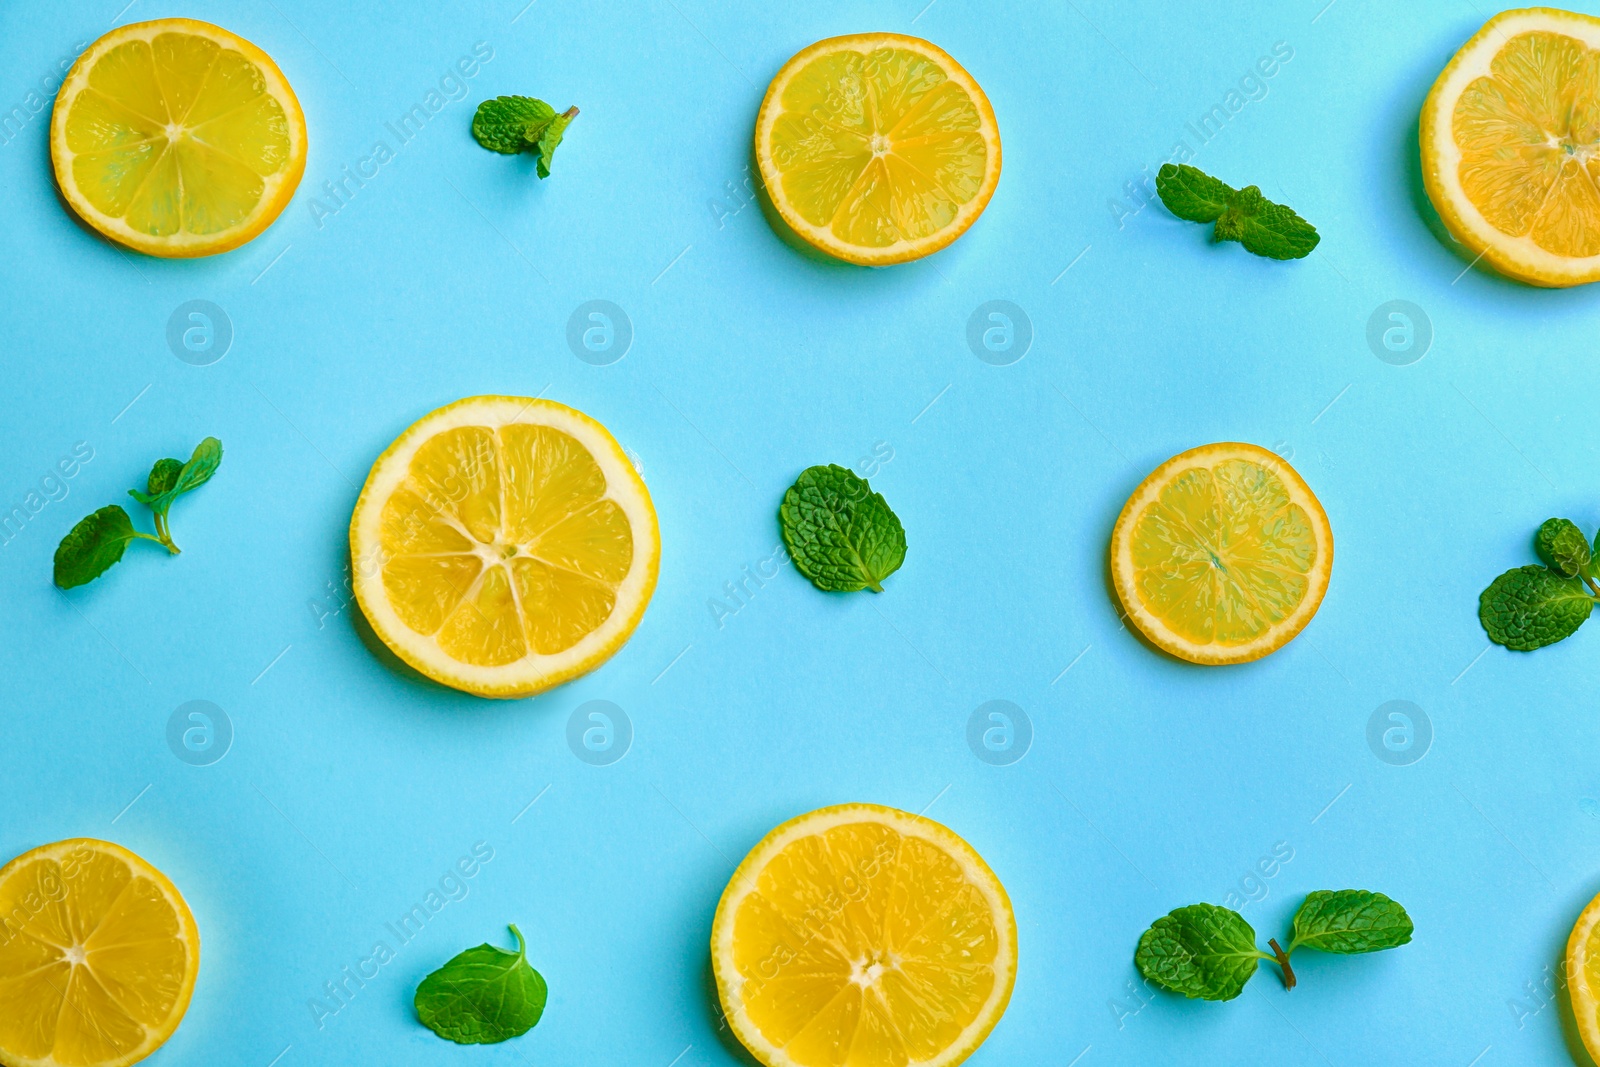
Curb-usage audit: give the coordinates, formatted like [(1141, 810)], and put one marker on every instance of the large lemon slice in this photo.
[(1222, 554), (98, 957), (1511, 146), (503, 545), (177, 138), (863, 936), (877, 147)]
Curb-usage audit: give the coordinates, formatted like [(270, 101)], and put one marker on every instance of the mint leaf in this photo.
[(92, 546), (505, 123), (1530, 607), (512, 124), (1350, 921), (551, 137), (1202, 951), (163, 476), (202, 465), (1562, 546), (840, 534), (1191, 193), (1242, 215), (483, 996)]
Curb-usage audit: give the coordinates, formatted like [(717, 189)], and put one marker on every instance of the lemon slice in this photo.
[(1583, 976), (98, 957), (877, 148), (503, 545), (177, 138), (1222, 554), (865, 936), (1511, 146)]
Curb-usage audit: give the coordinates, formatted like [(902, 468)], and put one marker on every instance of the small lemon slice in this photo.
[(1222, 554), (177, 138), (864, 936), (1511, 146), (98, 957), (1583, 976), (877, 148), (503, 545)]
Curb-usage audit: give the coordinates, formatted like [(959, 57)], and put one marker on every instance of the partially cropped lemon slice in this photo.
[(1511, 146), (503, 545), (1222, 554), (98, 957), (877, 147), (177, 138), (1583, 976), (861, 935)]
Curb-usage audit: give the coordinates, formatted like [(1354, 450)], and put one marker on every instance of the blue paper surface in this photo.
[(350, 789)]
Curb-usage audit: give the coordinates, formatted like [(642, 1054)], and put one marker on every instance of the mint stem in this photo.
[(570, 113), (1590, 580), (1282, 959)]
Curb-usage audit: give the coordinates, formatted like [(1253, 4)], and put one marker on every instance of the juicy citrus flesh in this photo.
[(1511, 145), (503, 535), (877, 148), (1222, 554), (862, 936), (177, 138), (1583, 976), (98, 957)]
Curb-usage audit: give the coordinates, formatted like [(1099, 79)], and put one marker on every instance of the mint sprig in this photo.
[(483, 996), (98, 541), (840, 534), (513, 124), (1243, 215), (1534, 606), (1208, 952)]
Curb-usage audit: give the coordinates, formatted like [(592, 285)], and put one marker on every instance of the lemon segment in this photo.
[(1222, 554), (1511, 146), (177, 138), (98, 957), (864, 936), (504, 545), (877, 148)]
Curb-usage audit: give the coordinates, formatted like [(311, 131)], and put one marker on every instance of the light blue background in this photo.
[(352, 787)]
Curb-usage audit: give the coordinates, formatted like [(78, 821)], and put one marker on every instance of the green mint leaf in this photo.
[(201, 466), (1202, 951), (840, 534), (163, 476), (551, 137), (1562, 546), (92, 546), (483, 996), (1265, 228), (1349, 921), (1191, 193), (510, 124), (1532, 606)]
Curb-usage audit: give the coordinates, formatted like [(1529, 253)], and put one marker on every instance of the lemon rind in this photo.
[(905, 250), (978, 874), (278, 189)]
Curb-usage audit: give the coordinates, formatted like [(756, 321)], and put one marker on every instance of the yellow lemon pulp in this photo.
[(1583, 976), (861, 935), (1222, 554), (1511, 145), (504, 545), (98, 957), (877, 148), (177, 138)]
